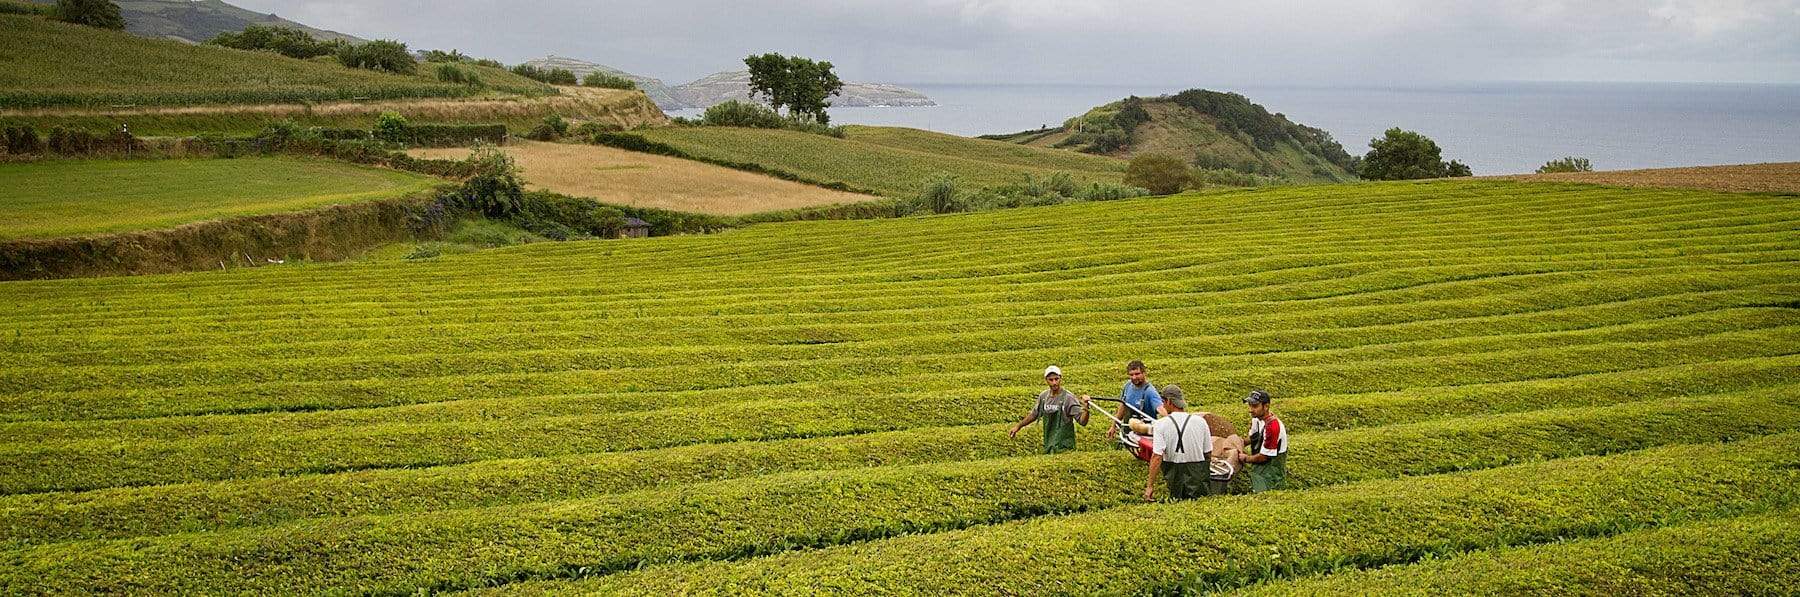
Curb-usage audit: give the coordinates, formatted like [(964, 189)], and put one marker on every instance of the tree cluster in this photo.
[(286, 41), (800, 85), (1405, 155)]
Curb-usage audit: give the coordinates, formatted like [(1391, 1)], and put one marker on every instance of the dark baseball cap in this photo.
[(1257, 397)]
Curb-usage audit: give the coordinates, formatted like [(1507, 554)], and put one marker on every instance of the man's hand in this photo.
[(1013, 432), (1149, 493), (1112, 431)]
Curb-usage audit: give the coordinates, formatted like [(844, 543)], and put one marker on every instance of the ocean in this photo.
[(1495, 128)]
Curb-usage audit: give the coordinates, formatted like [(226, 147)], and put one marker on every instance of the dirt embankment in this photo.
[(327, 234), (1782, 177)]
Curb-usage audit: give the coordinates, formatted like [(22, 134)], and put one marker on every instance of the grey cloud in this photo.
[(1115, 42)]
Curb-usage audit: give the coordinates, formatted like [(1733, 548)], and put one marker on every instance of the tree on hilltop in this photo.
[(1405, 155), (93, 13), (801, 85)]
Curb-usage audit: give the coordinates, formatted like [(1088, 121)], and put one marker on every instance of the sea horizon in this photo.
[(1497, 127)]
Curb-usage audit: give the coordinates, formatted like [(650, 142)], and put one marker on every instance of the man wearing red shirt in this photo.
[(1266, 451)]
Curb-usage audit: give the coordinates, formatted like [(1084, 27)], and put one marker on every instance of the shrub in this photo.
[(22, 140), (1567, 164), (381, 54), (452, 135), (1161, 174), (450, 73), (495, 189), (552, 128), (744, 114), (600, 79), (93, 13), (452, 56), (286, 41), (490, 63), (554, 76), (941, 196), (390, 127)]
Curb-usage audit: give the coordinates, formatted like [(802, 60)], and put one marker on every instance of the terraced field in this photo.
[(1493, 386), (894, 162), (57, 198)]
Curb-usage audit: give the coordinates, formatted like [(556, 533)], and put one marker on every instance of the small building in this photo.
[(634, 228)]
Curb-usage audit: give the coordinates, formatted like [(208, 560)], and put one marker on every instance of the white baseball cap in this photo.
[(1053, 370)]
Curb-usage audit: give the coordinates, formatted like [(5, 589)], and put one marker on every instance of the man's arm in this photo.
[(1150, 483), (1087, 405), (1029, 418)]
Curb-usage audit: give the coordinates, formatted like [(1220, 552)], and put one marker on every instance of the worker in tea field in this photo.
[(1139, 398), (1182, 450), (1266, 452), (1060, 411)]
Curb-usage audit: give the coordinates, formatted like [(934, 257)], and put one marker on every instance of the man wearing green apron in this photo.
[(1266, 452), (1182, 450), (1060, 411)]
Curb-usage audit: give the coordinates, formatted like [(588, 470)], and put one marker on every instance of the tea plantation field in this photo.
[(1492, 387), (57, 198)]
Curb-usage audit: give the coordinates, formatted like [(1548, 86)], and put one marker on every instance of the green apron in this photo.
[(1058, 414), (1187, 480), (1269, 475)]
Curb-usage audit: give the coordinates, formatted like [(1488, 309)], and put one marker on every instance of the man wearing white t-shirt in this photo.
[(1182, 445)]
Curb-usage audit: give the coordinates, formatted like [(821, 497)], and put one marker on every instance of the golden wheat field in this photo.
[(637, 179)]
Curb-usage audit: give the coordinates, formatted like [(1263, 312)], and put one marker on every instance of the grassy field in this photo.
[(1490, 385), (59, 198), (893, 162), (53, 64), (625, 177)]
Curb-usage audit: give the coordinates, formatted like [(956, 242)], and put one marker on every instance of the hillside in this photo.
[(721, 87), (195, 21), (54, 64), (1209, 129), (666, 98), (1473, 372), (890, 161)]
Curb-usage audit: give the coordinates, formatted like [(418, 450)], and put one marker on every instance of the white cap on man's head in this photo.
[(1053, 370)]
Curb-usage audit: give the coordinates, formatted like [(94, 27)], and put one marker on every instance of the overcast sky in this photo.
[(1126, 42)]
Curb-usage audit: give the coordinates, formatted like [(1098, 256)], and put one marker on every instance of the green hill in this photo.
[(200, 20), (894, 162), (53, 64), (1211, 129), (1465, 366)]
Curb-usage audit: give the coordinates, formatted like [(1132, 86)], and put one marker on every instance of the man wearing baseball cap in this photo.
[(1183, 445), (1266, 451), (1060, 411)]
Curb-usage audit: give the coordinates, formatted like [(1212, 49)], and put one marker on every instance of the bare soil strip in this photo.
[(637, 179), (1747, 178)]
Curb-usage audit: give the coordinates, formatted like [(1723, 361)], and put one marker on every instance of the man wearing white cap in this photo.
[(1060, 411)]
